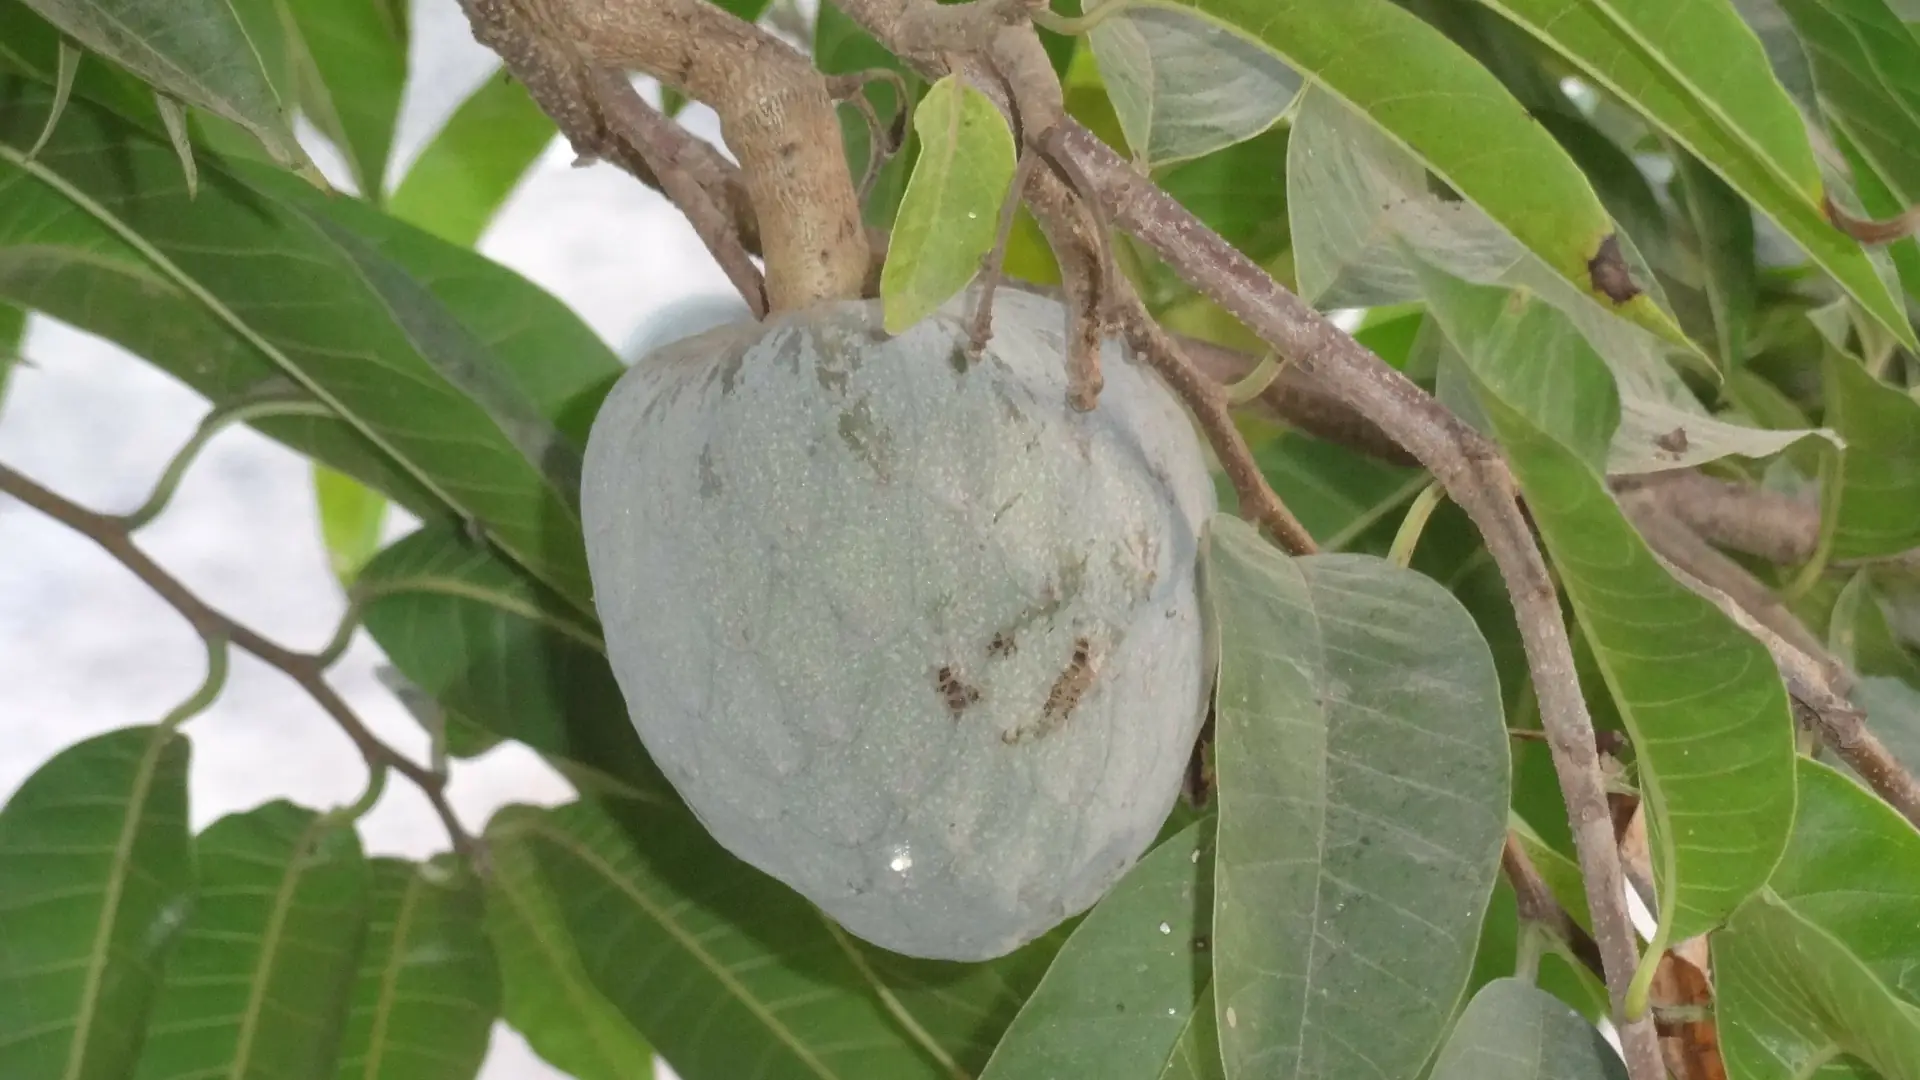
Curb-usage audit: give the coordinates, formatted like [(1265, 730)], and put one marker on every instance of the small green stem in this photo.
[(1408, 538), (1257, 380), (1533, 943), (336, 646), (1642, 986), (210, 687), (242, 411), (376, 787)]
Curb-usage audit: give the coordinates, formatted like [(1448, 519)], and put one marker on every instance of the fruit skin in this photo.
[(906, 632)]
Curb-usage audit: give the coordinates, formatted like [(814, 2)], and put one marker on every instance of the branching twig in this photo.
[(650, 134), (1474, 476), (304, 669), (1535, 903)]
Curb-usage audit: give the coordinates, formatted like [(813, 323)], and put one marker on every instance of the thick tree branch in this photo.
[(1775, 527), (1474, 476), (306, 670)]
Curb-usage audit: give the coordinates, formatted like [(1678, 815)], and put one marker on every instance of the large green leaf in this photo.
[(95, 878), (460, 180), (199, 51), (363, 336), (761, 983), (1361, 763), (1130, 985), (549, 998), (1887, 673), (499, 652), (1438, 102), (1822, 962), (1184, 86), (1699, 74), (257, 986), (1708, 715), (949, 217), (1358, 203), (1878, 493), (1512, 1031), (1866, 64), (428, 990)]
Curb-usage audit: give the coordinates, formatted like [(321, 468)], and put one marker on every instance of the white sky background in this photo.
[(85, 648)]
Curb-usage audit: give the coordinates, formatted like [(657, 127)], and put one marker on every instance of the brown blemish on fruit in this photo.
[(957, 694), (709, 477), (1003, 644), (1609, 274), (1068, 688)]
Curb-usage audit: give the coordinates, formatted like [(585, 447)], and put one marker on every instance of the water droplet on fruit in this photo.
[(902, 860)]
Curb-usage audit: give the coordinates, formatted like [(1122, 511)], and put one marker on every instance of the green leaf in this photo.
[(349, 64), (1878, 493), (1887, 674), (1432, 98), (95, 878), (1512, 1031), (428, 989), (1708, 715), (351, 519), (198, 51), (500, 652), (950, 215), (1694, 70), (1866, 64), (335, 316), (460, 180), (1359, 203), (1184, 86), (550, 1000), (258, 983), (1822, 962), (1723, 238), (1361, 756), (763, 985), (1239, 192), (1130, 986)]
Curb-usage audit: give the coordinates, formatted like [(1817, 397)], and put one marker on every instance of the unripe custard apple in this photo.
[(904, 629)]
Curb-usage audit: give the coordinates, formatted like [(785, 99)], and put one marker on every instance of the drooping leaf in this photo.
[(764, 985), (1723, 236), (1513, 1031), (1707, 712), (348, 60), (427, 990), (1821, 963), (460, 180), (1694, 70), (1184, 86), (1887, 673), (549, 999), (199, 51), (95, 878), (366, 337), (1131, 984), (1361, 762), (1359, 204), (1875, 507), (258, 984), (1434, 99), (949, 217), (351, 518), (501, 653)]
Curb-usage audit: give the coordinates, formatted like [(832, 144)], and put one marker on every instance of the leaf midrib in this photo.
[(109, 909), (269, 949), (390, 977), (687, 942)]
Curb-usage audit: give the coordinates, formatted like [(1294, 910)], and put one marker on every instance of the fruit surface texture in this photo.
[(903, 628)]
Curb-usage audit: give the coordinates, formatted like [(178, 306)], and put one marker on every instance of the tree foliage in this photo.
[(1659, 253)]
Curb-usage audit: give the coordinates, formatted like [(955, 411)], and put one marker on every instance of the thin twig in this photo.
[(1818, 703), (981, 328), (1474, 476), (650, 134), (303, 668), (1536, 904)]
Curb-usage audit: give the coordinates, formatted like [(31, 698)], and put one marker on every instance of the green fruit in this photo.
[(906, 631)]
